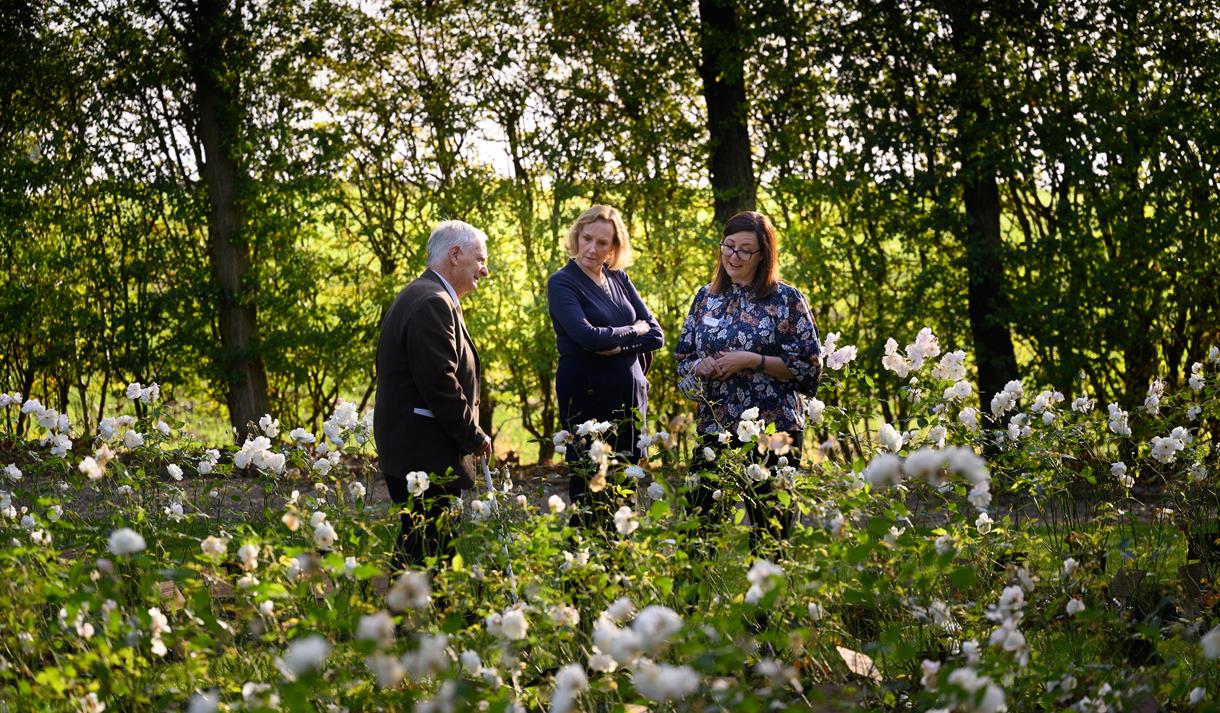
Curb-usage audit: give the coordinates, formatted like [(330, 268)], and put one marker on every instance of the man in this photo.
[(427, 410)]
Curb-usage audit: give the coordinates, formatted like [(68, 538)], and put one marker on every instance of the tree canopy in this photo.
[(223, 195)]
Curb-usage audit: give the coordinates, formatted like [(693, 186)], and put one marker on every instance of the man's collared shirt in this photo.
[(448, 287)]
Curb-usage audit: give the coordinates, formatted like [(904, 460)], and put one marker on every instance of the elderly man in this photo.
[(427, 410)]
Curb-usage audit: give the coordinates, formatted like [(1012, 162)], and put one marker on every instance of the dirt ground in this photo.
[(236, 497)]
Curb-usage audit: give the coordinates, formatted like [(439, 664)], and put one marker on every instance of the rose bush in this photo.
[(1033, 551)]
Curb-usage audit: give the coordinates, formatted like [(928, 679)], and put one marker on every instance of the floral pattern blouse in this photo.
[(780, 325)]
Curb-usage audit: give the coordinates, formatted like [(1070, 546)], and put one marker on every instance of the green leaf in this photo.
[(52, 678), (854, 596), (879, 527), (963, 578), (859, 553)]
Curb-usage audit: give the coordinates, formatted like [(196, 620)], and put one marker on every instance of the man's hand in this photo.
[(485, 449)]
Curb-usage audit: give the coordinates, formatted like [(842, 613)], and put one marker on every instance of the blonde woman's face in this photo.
[(594, 244)]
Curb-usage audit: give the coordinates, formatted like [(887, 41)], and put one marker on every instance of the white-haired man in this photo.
[(427, 410)]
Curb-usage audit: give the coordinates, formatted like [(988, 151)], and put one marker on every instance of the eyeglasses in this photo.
[(726, 250)]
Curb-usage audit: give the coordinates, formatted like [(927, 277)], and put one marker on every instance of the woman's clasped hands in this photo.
[(722, 365), (640, 327)]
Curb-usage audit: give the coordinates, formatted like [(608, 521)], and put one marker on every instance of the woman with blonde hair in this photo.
[(605, 335)]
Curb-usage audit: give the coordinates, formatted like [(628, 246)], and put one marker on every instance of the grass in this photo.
[(511, 436)]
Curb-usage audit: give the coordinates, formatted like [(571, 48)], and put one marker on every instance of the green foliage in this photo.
[(362, 127), (887, 594)]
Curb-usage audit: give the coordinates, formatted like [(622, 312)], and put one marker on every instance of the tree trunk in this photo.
[(213, 27), (722, 69), (986, 288), (987, 300)]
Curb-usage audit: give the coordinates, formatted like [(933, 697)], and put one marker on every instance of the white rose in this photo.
[(304, 655), (125, 541), (324, 536), (514, 625), (1211, 643), (269, 426), (248, 554), (417, 483), (91, 468), (890, 438), (215, 546), (625, 521), (377, 627)]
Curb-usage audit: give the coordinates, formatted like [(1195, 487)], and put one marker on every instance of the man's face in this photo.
[(469, 266)]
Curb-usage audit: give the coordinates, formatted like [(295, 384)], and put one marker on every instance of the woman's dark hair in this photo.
[(766, 276)]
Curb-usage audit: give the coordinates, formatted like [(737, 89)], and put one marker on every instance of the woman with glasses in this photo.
[(605, 335), (749, 342)]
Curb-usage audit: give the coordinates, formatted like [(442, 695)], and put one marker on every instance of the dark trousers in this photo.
[(425, 526), (596, 509), (766, 513)]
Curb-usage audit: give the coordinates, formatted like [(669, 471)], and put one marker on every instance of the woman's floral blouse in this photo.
[(777, 326)]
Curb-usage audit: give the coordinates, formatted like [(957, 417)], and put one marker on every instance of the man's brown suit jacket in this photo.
[(427, 364)]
